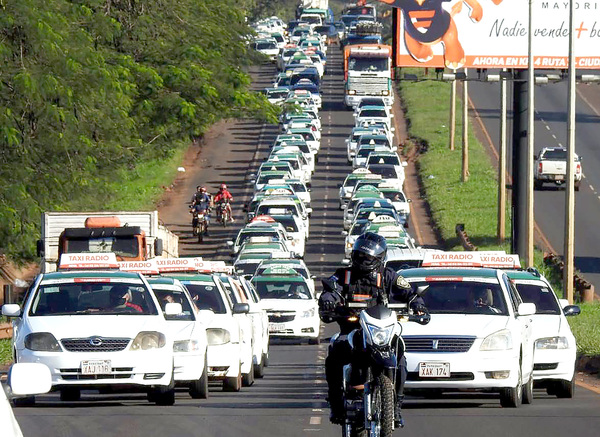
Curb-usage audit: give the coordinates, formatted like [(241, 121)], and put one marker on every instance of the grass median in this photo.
[(474, 202), (5, 351)]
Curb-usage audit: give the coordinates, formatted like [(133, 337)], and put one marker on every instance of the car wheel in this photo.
[(314, 340), (259, 369), (537, 185), (163, 395), (199, 388), (266, 359), (233, 384), (248, 378), (577, 186), (528, 391), (512, 397), (70, 394), (565, 389)]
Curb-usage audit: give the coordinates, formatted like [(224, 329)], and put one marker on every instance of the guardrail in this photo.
[(584, 291), (464, 238)]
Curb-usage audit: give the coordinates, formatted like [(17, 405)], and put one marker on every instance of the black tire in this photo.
[(512, 397), (314, 340), (70, 394), (163, 395), (537, 185), (233, 384), (200, 237), (577, 186), (266, 360), (248, 378), (259, 369), (349, 431), (565, 389), (27, 401), (383, 405), (527, 395), (199, 388)]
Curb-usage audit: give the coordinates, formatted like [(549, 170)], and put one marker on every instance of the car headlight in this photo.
[(309, 313), (217, 336), (348, 194), (42, 341), (186, 346), (498, 341), (385, 93), (351, 92), (381, 336), (552, 343), (147, 340)]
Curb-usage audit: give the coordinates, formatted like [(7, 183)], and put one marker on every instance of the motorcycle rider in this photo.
[(224, 195), (201, 203), (365, 277)]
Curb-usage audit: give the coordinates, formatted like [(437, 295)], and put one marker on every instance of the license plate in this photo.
[(559, 177), (434, 370), (276, 327), (96, 367)]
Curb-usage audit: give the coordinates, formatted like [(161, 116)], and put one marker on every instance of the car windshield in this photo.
[(276, 209), (541, 295), (125, 246), (368, 64), (463, 297), (394, 196), (265, 45), (555, 154), (94, 296), (289, 52), (282, 290), (363, 152), (371, 102), (403, 264), (384, 159), (172, 294), (386, 172), (277, 94), (245, 235), (372, 113), (375, 141), (288, 223), (359, 228), (206, 296)]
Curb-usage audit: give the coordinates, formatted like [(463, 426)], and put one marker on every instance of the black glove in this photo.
[(327, 305), (419, 308)]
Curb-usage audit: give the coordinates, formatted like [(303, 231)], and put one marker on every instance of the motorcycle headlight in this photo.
[(385, 93), (147, 340), (381, 336), (217, 336), (498, 341), (552, 343), (186, 346), (42, 341), (349, 245), (309, 313)]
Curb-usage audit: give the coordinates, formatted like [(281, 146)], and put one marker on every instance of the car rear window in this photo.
[(541, 296)]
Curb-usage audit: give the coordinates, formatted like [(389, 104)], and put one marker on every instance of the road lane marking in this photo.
[(315, 420)]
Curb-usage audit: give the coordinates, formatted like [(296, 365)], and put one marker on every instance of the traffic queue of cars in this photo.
[(144, 326), (268, 250)]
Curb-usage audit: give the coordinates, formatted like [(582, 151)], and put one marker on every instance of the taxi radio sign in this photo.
[(494, 33)]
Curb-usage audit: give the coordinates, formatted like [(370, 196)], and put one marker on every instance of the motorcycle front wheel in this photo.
[(382, 406), (349, 431)]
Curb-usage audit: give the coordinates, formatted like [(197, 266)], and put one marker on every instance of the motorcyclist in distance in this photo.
[(364, 279), (224, 195), (201, 203)]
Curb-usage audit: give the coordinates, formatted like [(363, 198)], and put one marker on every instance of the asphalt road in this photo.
[(551, 131), (289, 401)]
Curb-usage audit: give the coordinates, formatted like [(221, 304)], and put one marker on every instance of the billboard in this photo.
[(494, 33)]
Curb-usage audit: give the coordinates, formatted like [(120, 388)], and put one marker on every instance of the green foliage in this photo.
[(5, 351), (586, 328), (91, 90)]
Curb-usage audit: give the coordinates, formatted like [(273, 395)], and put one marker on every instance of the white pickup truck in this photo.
[(551, 166)]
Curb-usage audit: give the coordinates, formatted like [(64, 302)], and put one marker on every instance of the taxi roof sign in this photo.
[(361, 170), (280, 270), (499, 260), (107, 260), (148, 267), (451, 259), (213, 267), (384, 219), (177, 264)]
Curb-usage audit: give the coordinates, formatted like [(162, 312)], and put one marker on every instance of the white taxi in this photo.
[(479, 337), (95, 329), (289, 302)]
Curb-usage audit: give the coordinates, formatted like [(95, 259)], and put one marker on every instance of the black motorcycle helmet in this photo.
[(368, 252)]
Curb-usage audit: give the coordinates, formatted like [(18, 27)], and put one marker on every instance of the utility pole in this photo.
[(465, 133), (502, 162), (452, 114), (569, 249), (519, 160), (528, 237)]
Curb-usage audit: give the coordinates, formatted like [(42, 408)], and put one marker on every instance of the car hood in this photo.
[(180, 330), (457, 325), (83, 326), (287, 304), (545, 325)]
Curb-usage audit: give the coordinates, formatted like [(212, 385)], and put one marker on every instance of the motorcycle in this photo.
[(224, 212), (370, 412), (199, 224)]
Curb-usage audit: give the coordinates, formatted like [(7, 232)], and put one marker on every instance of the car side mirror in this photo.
[(40, 248), (345, 233), (344, 206), (313, 276), (230, 243), (11, 310), (404, 164), (391, 115), (289, 237), (173, 309), (571, 310), (526, 309), (158, 247), (241, 308), (27, 379)]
